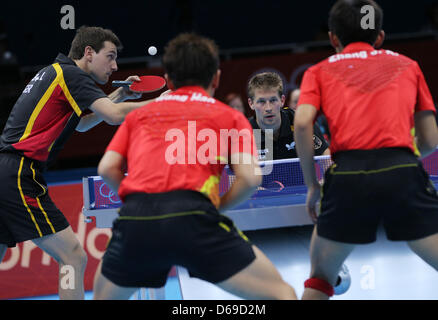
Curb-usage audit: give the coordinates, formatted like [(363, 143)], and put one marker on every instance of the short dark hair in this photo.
[(345, 21), (191, 59), (93, 37), (265, 81)]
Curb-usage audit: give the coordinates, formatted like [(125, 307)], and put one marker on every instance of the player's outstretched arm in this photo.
[(88, 121), (303, 124), (248, 178), (117, 96), (114, 113), (426, 132), (111, 169), (106, 110)]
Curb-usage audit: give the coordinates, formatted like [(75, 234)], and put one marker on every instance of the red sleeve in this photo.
[(424, 98), (119, 142), (310, 90)]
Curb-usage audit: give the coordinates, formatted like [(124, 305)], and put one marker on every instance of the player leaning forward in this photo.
[(48, 111), (373, 100), (171, 205)]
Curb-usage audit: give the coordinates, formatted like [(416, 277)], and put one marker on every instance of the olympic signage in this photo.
[(27, 271), (109, 194)]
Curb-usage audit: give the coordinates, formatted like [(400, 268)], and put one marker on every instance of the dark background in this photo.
[(281, 35), (36, 36)]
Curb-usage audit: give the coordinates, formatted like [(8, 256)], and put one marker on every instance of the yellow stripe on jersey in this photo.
[(38, 199), (64, 88), (24, 199), (59, 80), (40, 105), (45, 215), (416, 151), (211, 190)]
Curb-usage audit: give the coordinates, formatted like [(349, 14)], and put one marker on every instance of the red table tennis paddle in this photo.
[(146, 84)]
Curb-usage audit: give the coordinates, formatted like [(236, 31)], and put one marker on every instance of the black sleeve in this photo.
[(319, 143), (82, 88)]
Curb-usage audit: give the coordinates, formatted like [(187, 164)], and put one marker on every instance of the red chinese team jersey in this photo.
[(181, 141), (368, 96)]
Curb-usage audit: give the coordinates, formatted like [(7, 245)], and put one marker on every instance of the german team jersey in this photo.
[(48, 110), (368, 96), (284, 146), (181, 141)]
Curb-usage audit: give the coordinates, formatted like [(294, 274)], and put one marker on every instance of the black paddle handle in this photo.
[(118, 83)]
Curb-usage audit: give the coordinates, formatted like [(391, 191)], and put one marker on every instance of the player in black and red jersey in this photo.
[(48, 111)]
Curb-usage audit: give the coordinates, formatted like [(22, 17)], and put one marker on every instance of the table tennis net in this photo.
[(430, 164), (280, 177), (100, 195)]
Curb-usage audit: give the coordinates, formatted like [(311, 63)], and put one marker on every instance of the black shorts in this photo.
[(364, 188), (157, 231), (26, 210)]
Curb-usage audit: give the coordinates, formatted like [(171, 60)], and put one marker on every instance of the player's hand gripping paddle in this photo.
[(146, 84)]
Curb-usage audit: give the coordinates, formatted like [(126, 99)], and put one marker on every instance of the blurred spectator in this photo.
[(6, 56), (321, 121), (235, 101), (323, 126), (432, 18), (292, 98), (10, 78)]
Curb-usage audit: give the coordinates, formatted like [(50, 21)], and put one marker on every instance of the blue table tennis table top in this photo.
[(282, 185), (264, 200), (289, 195)]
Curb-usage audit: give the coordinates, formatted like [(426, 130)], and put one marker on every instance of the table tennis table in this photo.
[(278, 202)]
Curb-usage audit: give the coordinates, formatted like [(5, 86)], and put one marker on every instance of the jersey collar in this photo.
[(358, 46), (192, 89), (285, 126), (63, 59)]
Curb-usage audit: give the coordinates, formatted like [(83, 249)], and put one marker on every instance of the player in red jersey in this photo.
[(175, 150), (381, 118)]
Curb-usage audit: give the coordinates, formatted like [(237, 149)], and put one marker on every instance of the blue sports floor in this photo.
[(172, 292), (383, 270)]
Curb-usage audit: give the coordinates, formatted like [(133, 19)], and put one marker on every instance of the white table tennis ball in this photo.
[(152, 50)]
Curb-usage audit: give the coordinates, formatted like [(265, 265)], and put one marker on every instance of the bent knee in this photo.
[(79, 254), (287, 292), (76, 256), (283, 291)]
